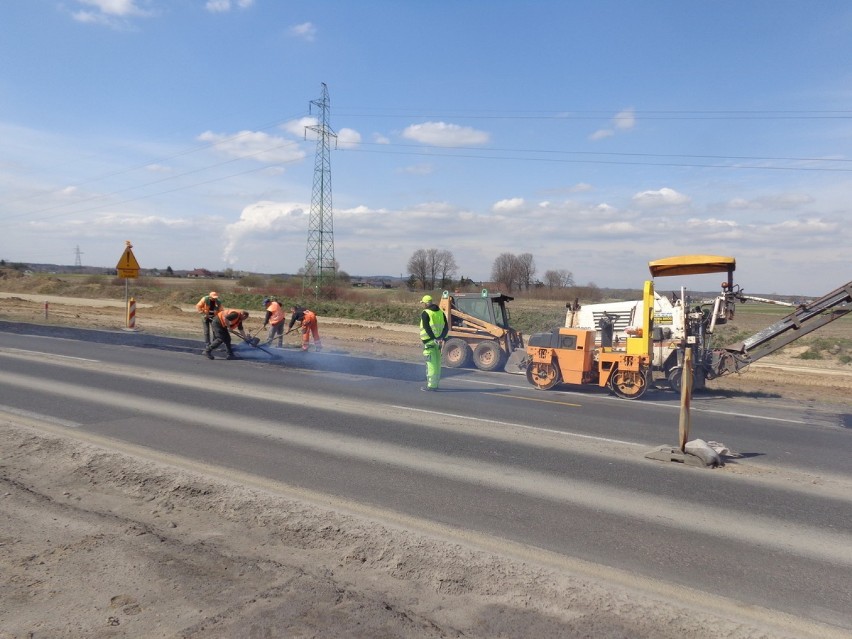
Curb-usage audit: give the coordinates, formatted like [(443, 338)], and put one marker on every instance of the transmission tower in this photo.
[(320, 266), (78, 258)]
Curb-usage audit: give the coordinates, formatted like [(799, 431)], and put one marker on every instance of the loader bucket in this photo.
[(517, 362)]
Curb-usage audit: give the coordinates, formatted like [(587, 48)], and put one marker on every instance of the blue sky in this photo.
[(596, 136)]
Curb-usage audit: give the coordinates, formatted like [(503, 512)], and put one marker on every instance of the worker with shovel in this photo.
[(227, 321), (308, 324), (208, 306), (275, 319), (433, 330)]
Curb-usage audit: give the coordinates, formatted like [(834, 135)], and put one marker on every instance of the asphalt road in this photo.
[(564, 472)]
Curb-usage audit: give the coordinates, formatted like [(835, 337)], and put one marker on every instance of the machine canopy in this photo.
[(692, 265)]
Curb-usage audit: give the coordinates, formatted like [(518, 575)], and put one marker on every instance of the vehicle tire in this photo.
[(542, 376), (456, 353), (488, 356), (674, 376), (629, 384)]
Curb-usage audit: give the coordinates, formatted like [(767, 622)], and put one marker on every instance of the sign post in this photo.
[(128, 268)]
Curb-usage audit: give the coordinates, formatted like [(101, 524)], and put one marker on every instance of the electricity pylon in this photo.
[(320, 266), (78, 261)]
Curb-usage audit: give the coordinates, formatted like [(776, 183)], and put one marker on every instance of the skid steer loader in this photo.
[(480, 333)]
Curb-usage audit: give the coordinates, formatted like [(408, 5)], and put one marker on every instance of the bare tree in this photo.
[(504, 271), (433, 260), (418, 267), (558, 279), (446, 268), (432, 267), (526, 270)]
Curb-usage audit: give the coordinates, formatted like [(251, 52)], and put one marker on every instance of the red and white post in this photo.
[(131, 315)]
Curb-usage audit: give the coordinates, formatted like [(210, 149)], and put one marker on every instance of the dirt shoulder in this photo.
[(99, 543)]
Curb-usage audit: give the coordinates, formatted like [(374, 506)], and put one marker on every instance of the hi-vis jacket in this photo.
[(207, 305), (232, 325), (274, 313), (433, 324)]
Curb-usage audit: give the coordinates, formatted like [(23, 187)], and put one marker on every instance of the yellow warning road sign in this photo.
[(127, 265)]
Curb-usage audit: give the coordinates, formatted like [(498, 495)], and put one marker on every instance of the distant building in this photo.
[(199, 272)]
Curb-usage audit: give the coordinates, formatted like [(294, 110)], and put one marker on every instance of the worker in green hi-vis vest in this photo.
[(433, 330)]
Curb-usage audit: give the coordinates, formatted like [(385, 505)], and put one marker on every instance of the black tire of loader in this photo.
[(456, 353), (488, 356)]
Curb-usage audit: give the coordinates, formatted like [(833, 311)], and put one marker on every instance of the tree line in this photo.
[(435, 268)]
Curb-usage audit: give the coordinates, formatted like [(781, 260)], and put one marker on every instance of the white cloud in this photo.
[(600, 134), (109, 224), (712, 227), (621, 121), (663, 197), (255, 145), (111, 13), (417, 169), (218, 6), (115, 7), (303, 129), (305, 31), (618, 228), (378, 138), (348, 138), (806, 226), (223, 6), (299, 128), (625, 120), (443, 134), (265, 220), (785, 201), (512, 204)]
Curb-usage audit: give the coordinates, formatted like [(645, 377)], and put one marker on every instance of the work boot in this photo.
[(231, 356), (207, 352)]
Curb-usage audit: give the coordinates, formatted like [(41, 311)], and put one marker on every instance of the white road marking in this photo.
[(520, 426)]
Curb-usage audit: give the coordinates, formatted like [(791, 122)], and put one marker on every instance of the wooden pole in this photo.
[(685, 398)]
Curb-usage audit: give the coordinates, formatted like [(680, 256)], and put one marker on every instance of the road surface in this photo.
[(553, 476)]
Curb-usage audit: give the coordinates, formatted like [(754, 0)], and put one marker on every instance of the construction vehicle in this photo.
[(680, 323), (570, 355), (671, 324), (480, 332), (700, 322)]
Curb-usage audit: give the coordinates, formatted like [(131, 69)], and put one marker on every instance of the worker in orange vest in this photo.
[(275, 319), (308, 325), (228, 320), (208, 306)]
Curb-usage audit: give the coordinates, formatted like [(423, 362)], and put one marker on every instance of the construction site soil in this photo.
[(99, 541)]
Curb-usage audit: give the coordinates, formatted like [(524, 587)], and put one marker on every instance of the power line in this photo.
[(159, 160), (161, 180), (612, 114), (613, 153), (605, 162)]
